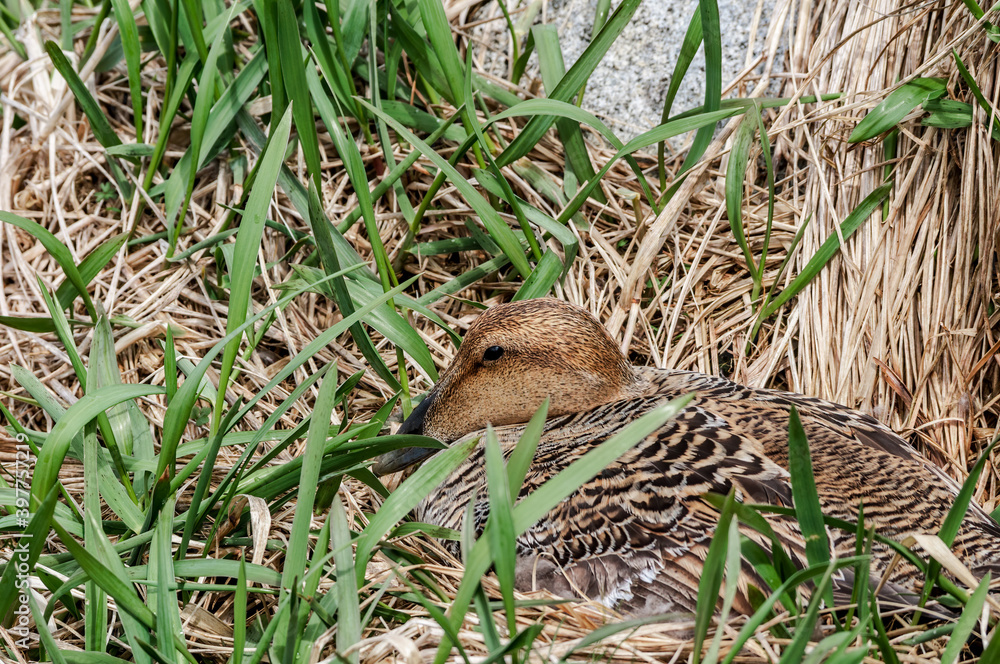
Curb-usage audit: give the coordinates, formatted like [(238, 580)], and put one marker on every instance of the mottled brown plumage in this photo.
[(635, 536)]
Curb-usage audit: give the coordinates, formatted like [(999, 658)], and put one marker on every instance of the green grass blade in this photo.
[(63, 332), (881, 637), (739, 160), (45, 398), (247, 245), (464, 280), (733, 571), (132, 150), (83, 657), (807, 625), (293, 74), (524, 452), (35, 324), (992, 651), (829, 248), (104, 371), (947, 114), (297, 554), (240, 614), (486, 148), (7, 29), (219, 125), (96, 605), (51, 457), (298, 548), (952, 522), (689, 47), (355, 18), (129, 34), (355, 167), (46, 640), (837, 642), (763, 612), (713, 571), (327, 54), (897, 106), (195, 18), (804, 493), (99, 124), (58, 251), (168, 617), (348, 613), (542, 278), (977, 92), (123, 594), (860, 591), (712, 39), (438, 29), (413, 117), (524, 27), (267, 15), (391, 55), (765, 145), (199, 123), (966, 623), (502, 538), (481, 603)]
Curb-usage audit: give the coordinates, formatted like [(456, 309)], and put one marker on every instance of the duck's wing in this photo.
[(636, 535), (856, 460)]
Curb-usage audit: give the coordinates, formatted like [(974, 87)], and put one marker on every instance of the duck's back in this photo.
[(636, 535)]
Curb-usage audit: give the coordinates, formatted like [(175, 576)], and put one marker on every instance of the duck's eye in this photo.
[(493, 353)]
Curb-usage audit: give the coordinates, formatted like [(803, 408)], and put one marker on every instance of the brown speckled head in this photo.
[(513, 357)]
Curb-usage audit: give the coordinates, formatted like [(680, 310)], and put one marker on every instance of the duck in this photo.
[(635, 537)]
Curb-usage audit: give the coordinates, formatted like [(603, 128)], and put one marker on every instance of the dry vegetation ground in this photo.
[(903, 322)]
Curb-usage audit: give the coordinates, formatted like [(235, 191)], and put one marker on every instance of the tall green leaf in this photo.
[(247, 246), (806, 497)]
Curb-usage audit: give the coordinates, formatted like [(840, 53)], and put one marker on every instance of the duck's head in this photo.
[(513, 357)]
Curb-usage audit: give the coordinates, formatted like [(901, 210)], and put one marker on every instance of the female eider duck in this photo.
[(635, 537)]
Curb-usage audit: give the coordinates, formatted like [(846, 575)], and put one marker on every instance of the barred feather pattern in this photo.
[(636, 536)]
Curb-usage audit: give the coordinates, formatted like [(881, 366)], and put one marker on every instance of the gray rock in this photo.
[(629, 86)]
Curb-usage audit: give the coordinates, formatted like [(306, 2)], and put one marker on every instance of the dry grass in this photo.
[(903, 323)]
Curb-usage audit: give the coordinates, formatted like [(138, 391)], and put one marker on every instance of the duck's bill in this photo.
[(397, 460)]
